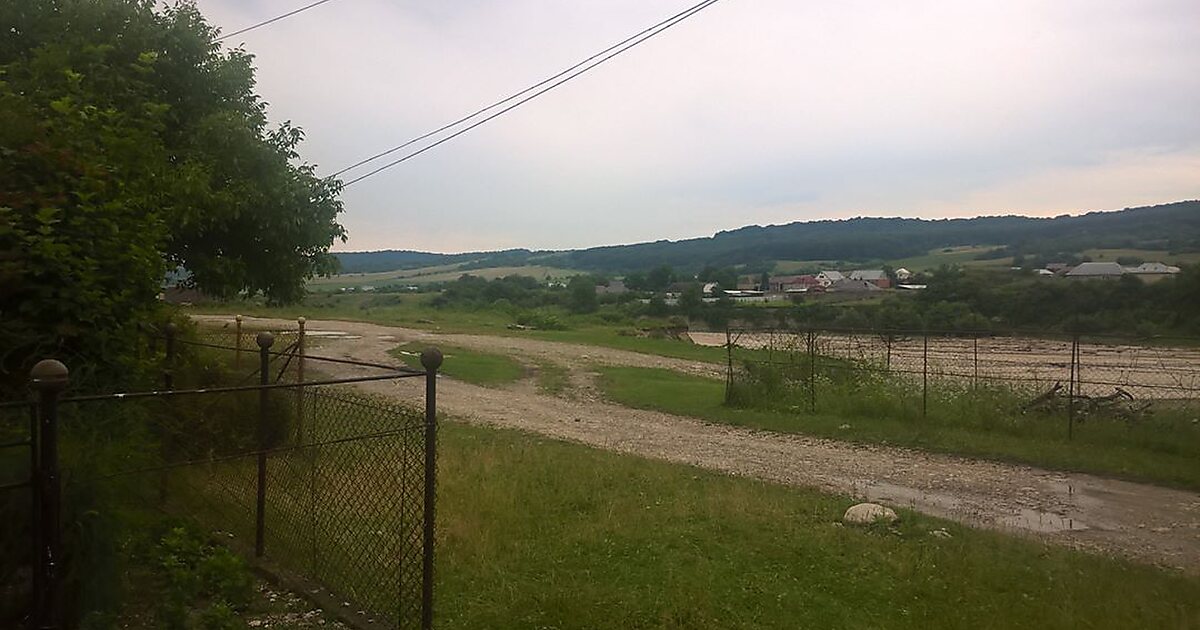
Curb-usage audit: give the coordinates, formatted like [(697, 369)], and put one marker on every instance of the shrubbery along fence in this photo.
[(328, 488)]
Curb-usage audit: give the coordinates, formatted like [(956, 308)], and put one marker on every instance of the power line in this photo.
[(272, 20), (513, 96), (614, 50)]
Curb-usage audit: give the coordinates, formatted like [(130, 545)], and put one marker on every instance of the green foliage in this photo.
[(581, 296), (541, 533), (132, 145), (984, 421), (480, 368), (203, 585)]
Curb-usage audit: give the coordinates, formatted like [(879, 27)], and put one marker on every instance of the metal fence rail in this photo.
[(317, 481), (1081, 371)]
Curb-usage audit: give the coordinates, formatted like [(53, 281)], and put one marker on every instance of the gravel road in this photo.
[(1139, 521)]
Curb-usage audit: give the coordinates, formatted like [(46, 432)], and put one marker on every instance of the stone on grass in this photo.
[(868, 514)]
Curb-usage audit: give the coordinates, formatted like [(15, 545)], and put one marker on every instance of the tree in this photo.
[(581, 294), (691, 300), (130, 145), (659, 278)]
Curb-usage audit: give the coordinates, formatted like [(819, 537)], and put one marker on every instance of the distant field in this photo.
[(795, 266), (951, 256), (427, 275), (1148, 255), (964, 255)]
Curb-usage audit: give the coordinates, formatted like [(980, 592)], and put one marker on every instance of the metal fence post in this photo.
[(925, 375), (1072, 386), (168, 374), (728, 363), (812, 371), (300, 379), (237, 342), (431, 358), (48, 378), (975, 360), (264, 339)]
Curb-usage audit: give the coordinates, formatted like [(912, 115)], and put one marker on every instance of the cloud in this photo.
[(753, 111)]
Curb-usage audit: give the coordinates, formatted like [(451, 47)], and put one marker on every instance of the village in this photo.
[(777, 288)]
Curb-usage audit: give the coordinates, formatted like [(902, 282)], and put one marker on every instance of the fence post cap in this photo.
[(265, 339), (431, 358), (170, 328), (49, 375), (237, 318)]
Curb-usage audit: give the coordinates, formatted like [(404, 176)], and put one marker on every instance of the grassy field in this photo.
[(552, 378), (1159, 450), (428, 275), (965, 256), (480, 368), (1148, 255), (411, 311), (536, 533)]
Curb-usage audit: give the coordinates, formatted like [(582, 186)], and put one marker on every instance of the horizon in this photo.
[(746, 113), (1079, 213)]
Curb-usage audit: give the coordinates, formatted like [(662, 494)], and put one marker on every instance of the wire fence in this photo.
[(1077, 375), (324, 486)]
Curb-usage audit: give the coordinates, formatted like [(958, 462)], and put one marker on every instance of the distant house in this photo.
[(1097, 270), (1152, 271), (615, 287), (875, 276), (903, 274), (1058, 267), (846, 285), (710, 288), (1153, 268), (828, 277), (1043, 272), (792, 284)]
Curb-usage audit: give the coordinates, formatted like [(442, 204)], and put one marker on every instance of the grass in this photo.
[(965, 255), (479, 368), (411, 311), (552, 378), (536, 533), (1148, 255), (1160, 450)]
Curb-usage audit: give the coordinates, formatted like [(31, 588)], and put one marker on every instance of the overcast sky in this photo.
[(751, 112)]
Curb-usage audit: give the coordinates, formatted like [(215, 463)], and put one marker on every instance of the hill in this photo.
[(1171, 227)]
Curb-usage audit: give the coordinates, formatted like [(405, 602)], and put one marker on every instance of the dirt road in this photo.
[(1143, 522)]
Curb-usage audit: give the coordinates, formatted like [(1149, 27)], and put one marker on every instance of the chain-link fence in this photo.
[(326, 487), (1073, 375)]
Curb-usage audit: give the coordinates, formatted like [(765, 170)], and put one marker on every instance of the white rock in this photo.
[(868, 513)]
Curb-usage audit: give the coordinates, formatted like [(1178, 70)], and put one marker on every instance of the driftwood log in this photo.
[(1119, 404)]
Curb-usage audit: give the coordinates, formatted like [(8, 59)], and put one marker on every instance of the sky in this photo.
[(750, 112)]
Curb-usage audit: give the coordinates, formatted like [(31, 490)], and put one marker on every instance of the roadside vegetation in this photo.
[(480, 368), (984, 423), (537, 533)]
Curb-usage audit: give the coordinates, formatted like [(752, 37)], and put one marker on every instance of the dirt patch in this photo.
[(1139, 521), (1143, 371)]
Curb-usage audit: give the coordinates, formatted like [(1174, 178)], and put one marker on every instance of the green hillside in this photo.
[(1167, 231)]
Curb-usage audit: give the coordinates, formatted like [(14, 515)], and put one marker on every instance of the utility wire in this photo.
[(272, 20), (614, 50), (513, 96)]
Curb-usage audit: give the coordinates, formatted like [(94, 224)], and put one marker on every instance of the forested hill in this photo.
[(1173, 227)]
